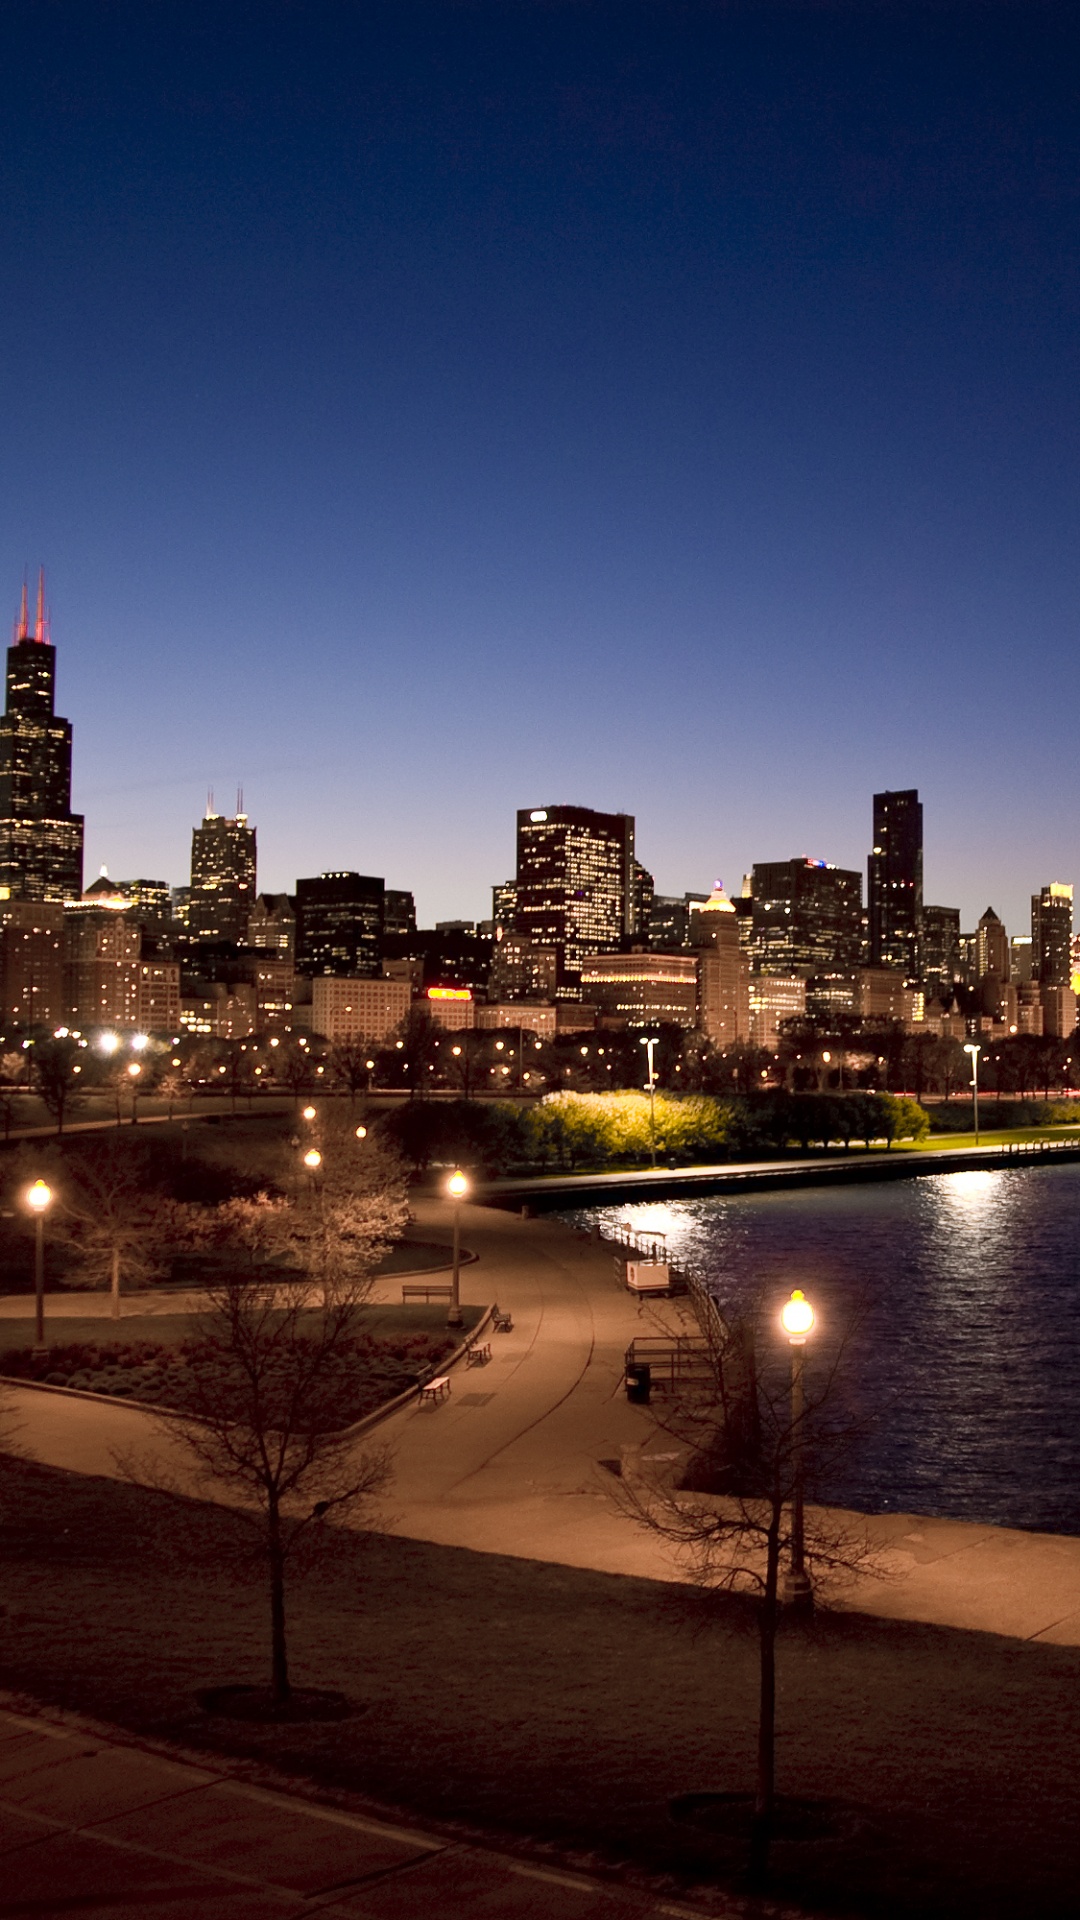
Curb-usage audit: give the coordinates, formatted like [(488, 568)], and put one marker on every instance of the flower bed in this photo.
[(369, 1372)]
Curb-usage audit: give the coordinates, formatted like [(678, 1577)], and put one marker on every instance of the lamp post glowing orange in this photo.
[(457, 1187), (797, 1320), (39, 1200), (134, 1071), (973, 1053)]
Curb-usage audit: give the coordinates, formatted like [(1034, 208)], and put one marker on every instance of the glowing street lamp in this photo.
[(313, 1160), (651, 1043), (974, 1051), (134, 1071), (309, 1113), (39, 1200), (457, 1187), (797, 1320)]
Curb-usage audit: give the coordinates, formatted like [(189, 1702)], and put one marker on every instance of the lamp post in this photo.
[(650, 1043), (974, 1052), (134, 1071), (39, 1200), (797, 1320), (457, 1187)]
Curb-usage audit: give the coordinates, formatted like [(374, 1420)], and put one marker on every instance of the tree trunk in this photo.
[(279, 1659), (115, 1284), (765, 1791)]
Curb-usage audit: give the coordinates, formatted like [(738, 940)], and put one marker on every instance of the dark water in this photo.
[(965, 1355)]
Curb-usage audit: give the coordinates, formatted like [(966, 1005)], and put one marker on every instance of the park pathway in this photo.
[(518, 1459)]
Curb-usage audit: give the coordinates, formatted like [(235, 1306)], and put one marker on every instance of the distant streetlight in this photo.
[(361, 1133), (974, 1051), (651, 1043), (457, 1187), (313, 1159), (134, 1071), (39, 1200), (308, 1113), (797, 1320)]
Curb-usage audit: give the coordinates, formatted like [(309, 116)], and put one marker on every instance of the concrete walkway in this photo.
[(512, 1461), (92, 1826)]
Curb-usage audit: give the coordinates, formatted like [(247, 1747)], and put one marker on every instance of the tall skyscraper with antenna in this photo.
[(41, 840), (222, 875)]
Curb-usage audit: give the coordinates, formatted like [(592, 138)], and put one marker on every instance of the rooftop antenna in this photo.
[(22, 626), (210, 803), (41, 624), (239, 803)]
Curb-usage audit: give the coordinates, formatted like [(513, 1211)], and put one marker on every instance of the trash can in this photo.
[(639, 1381)]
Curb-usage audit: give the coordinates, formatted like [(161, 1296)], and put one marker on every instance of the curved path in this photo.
[(513, 1461)]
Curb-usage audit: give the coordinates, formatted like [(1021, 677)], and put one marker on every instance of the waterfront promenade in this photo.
[(518, 1460)]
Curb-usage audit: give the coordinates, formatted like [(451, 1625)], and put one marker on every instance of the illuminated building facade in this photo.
[(450, 1007), (895, 874), (520, 970), (359, 1008), (521, 1017), (41, 840), (102, 966), (642, 989), (723, 971), (31, 963), (272, 925), (149, 901), (339, 924), (991, 949), (503, 908), (159, 997), (941, 963), (575, 884), (399, 912), (669, 918), (774, 998), (806, 918), (222, 891), (1051, 935)]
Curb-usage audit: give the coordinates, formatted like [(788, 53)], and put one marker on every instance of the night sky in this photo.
[(427, 411)]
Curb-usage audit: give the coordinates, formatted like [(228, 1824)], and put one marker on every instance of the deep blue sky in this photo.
[(426, 411)]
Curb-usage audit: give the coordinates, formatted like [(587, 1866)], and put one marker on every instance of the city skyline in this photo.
[(430, 411)]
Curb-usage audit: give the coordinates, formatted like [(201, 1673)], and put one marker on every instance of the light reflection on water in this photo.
[(965, 1355)]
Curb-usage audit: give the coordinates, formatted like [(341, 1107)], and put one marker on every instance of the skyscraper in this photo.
[(895, 877), (1051, 935), (575, 883), (41, 840), (807, 918), (339, 923), (222, 877), (940, 949)]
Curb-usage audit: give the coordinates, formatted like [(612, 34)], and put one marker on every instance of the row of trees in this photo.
[(581, 1130)]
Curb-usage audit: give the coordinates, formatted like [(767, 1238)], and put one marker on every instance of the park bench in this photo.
[(479, 1355), (435, 1390), (502, 1322), (425, 1290)]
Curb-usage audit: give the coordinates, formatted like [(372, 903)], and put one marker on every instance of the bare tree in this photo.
[(733, 1514), (112, 1218), (350, 1066), (58, 1066), (264, 1426)]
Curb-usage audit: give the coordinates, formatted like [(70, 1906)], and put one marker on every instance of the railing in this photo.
[(675, 1364)]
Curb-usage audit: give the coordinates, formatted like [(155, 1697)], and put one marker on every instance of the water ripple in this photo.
[(957, 1297)]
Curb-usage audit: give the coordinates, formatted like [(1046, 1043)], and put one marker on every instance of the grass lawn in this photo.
[(561, 1710), (389, 1322), (989, 1136)]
